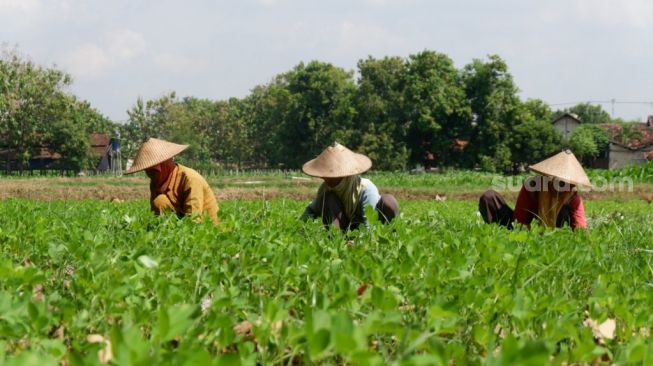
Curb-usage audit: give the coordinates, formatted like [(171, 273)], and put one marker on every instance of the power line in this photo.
[(612, 102), (604, 102)]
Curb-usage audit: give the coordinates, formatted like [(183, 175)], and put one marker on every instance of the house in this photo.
[(101, 147), (41, 158), (107, 152), (44, 158), (631, 147), (566, 124), (458, 144)]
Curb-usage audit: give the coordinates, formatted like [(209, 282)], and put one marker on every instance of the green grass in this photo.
[(436, 286)]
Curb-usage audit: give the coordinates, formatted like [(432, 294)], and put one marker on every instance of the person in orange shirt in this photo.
[(550, 197), (174, 187)]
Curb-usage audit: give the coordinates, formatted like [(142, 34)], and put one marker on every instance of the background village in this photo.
[(623, 145)]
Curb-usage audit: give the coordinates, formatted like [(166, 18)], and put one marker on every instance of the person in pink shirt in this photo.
[(550, 197)]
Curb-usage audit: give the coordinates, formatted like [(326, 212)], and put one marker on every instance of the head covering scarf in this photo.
[(549, 203), (161, 184), (348, 191)]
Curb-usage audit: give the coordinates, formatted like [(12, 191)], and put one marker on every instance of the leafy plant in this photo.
[(437, 286)]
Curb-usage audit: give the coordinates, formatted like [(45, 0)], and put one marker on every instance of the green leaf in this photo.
[(318, 342), (229, 360), (342, 331), (174, 321)]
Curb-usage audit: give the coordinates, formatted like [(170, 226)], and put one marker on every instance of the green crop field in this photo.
[(88, 281)]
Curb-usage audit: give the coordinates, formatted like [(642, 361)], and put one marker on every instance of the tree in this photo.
[(496, 108), (30, 102), (69, 134), (629, 132), (189, 122), (533, 141), (587, 113), (381, 115), (264, 112), (233, 133), (318, 110), (150, 119), (435, 106), (145, 119), (587, 141), (537, 110), (36, 111)]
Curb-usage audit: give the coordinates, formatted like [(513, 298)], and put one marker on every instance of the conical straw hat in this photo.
[(337, 161), (154, 151), (565, 167)]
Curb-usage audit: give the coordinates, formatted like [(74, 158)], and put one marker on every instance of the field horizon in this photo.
[(457, 185)]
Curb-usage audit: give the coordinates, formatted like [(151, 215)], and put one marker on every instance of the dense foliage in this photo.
[(36, 112), (402, 112), (435, 287), (588, 141), (588, 113)]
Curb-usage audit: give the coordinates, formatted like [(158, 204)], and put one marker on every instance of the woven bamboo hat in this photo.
[(154, 151), (337, 161), (565, 167)]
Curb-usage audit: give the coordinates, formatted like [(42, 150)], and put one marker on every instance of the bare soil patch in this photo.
[(132, 188)]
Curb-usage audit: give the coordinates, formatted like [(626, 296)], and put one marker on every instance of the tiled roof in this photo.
[(100, 143), (100, 139), (458, 144), (641, 135)]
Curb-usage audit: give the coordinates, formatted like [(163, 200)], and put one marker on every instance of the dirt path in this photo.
[(137, 188)]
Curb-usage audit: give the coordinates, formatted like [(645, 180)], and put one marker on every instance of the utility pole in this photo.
[(612, 102)]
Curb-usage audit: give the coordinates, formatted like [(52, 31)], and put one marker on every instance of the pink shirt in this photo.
[(526, 207)]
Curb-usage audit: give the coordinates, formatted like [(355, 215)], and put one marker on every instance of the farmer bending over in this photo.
[(343, 196), (174, 187), (550, 197)]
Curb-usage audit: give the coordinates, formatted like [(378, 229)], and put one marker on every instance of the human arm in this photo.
[(577, 212), (525, 207), (369, 197), (311, 211)]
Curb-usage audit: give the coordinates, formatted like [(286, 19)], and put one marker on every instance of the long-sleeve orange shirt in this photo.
[(188, 194)]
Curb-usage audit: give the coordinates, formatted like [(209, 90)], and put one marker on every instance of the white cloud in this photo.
[(87, 61), (20, 6), (33, 14), (180, 64), (347, 36), (125, 44), (381, 3), (270, 3), (366, 38), (93, 61), (633, 13)]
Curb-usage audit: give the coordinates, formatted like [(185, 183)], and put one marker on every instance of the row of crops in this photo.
[(90, 282)]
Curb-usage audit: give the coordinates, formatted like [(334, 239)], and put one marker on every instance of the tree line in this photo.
[(37, 112), (401, 112)]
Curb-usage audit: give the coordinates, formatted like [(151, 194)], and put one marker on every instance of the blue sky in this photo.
[(557, 50)]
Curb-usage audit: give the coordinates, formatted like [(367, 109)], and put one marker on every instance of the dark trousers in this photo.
[(334, 211), (494, 209)]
